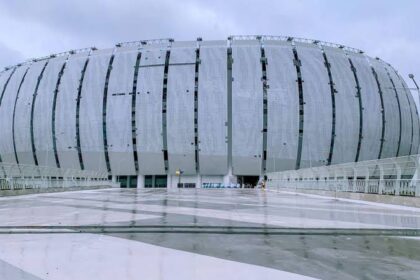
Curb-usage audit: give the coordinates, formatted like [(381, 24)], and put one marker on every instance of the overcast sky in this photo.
[(384, 28)]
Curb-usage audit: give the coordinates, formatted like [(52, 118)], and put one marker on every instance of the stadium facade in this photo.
[(218, 111)]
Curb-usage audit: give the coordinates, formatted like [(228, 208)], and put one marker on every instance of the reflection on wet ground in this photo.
[(263, 232)]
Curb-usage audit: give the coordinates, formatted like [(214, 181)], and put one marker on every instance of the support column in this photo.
[(229, 178), (169, 182), (140, 181), (198, 182)]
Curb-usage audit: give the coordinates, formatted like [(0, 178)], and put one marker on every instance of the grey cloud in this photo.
[(382, 28), (9, 56)]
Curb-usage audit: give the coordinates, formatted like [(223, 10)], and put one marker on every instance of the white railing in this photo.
[(24, 177), (390, 176)]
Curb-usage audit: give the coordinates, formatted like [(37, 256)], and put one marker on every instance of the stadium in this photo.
[(201, 113)]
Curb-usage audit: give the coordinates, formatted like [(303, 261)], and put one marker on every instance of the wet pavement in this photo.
[(205, 234)]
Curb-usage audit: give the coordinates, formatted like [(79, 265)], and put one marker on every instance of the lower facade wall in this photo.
[(185, 181)]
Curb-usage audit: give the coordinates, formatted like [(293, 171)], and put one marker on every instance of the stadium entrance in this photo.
[(248, 181)]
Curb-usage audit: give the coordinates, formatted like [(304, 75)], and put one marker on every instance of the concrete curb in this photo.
[(6, 193)]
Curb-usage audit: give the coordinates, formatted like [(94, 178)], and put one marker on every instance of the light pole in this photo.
[(411, 76), (179, 173)]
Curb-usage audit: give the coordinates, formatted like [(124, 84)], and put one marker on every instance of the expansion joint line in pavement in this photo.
[(207, 230)]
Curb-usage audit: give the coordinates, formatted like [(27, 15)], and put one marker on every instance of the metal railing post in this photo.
[(381, 179), (417, 177)]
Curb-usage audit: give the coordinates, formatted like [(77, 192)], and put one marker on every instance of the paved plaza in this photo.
[(204, 234)]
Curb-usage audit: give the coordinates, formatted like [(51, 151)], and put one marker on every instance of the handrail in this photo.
[(397, 176), (12, 170)]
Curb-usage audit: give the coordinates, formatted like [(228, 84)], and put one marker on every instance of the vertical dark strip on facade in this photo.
[(54, 106), (14, 115), (382, 111), (5, 85), (133, 112), (299, 82), (264, 81), (32, 113), (359, 97), (399, 111), (333, 92), (1, 100), (229, 105), (197, 65), (79, 96), (104, 107), (164, 116)]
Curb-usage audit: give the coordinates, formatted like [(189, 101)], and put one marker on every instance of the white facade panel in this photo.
[(371, 103), (6, 112), (91, 110), (180, 134), (23, 114), (406, 119), (392, 115), (317, 106), (43, 109), (212, 109), (118, 116), (346, 107), (247, 108), (180, 110), (65, 112), (149, 111), (283, 107)]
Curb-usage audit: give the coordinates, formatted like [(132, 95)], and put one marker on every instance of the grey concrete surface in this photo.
[(241, 234)]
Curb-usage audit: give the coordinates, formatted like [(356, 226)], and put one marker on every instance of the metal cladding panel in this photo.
[(65, 112), (118, 116), (347, 116), (6, 113), (23, 114), (43, 107), (317, 124), (247, 108), (212, 109), (283, 107), (91, 110), (415, 117), (406, 118), (371, 103), (149, 111), (180, 110), (392, 117)]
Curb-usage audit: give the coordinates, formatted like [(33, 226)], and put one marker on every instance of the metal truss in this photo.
[(293, 40), (146, 42)]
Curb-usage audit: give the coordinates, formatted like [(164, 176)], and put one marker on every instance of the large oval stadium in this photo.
[(217, 112)]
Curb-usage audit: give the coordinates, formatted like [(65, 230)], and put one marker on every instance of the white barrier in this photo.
[(24, 177), (390, 176)]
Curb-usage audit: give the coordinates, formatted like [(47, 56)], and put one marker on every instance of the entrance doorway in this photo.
[(248, 181), (127, 181), (155, 181)]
